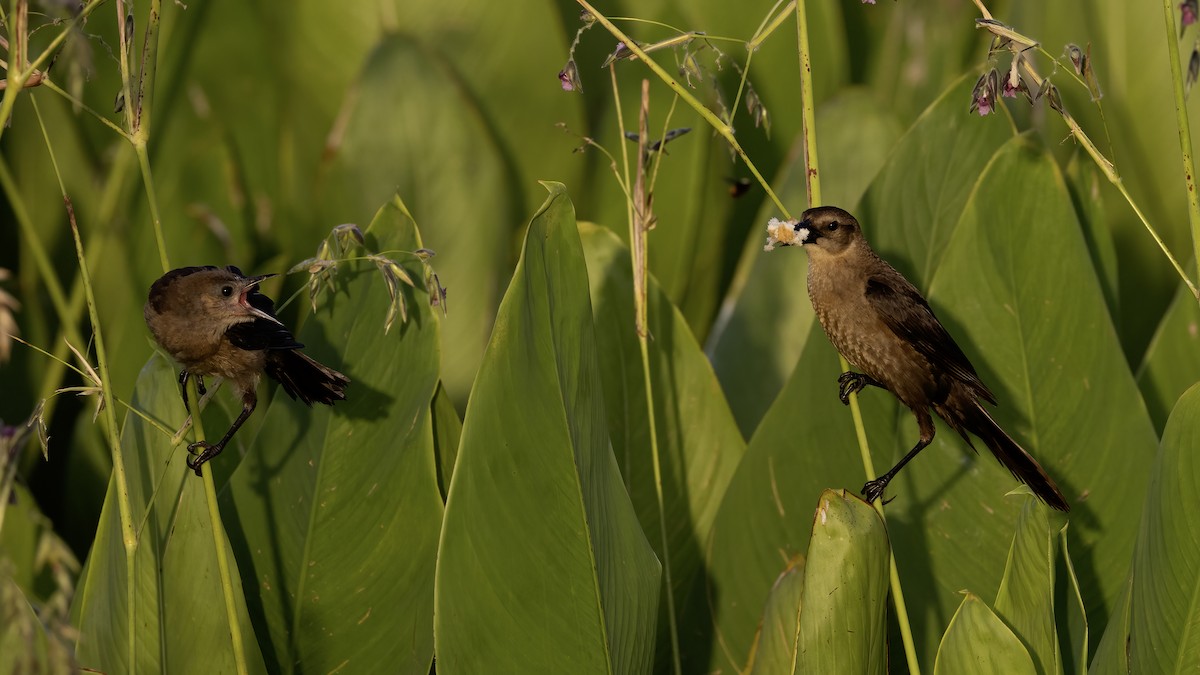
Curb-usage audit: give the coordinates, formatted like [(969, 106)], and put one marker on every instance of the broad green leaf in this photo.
[(428, 141), (767, 305), (1028, 583), (510, 80), (978, 642), (1025, 305), (775, 645), (842, 628), (1075, 659), (1163, 635), (804, 445), (337, 508), (698, 443), (1172, 361), (913, 206), (1127, 48), (539, 528), (180, 624)]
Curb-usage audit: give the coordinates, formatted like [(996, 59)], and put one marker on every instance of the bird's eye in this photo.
[(832, 226), (227, 291)]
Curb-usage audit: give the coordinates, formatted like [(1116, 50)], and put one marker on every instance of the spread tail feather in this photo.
[(305, 379), (1014, 458)]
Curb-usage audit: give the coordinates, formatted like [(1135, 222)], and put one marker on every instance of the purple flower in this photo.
[(983, 97), (569, 77), (1189, 10)]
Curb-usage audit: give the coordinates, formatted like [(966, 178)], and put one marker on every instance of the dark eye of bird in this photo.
[(227, 291), (833, 226)]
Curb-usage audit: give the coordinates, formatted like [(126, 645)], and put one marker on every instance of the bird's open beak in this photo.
[(251, 283)]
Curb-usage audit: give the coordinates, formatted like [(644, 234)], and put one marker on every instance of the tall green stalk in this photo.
[(214, 516), (1185, 129), (813, 182)]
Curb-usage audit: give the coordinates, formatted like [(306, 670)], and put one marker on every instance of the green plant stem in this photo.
[(1185, 129), (128, 536), (639, 225), (137, 110), (214, 517), (715, 122), (813, 183)]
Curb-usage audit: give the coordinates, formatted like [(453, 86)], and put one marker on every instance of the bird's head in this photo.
[(828, 229), (221, 295)]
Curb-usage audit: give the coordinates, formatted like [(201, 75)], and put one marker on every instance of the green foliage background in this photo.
[(488, 493)]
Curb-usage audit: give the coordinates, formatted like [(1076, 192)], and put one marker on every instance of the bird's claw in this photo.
[(874, 490), (850, 383), (202, 451)]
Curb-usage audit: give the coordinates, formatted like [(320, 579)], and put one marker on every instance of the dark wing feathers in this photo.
[(908, 315)]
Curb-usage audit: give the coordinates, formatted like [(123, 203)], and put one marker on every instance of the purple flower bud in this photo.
[(983, 97), (569, 77), (1188, 12)]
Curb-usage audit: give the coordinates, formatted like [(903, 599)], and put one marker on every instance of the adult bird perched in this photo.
[(884, 327), (214, 321)]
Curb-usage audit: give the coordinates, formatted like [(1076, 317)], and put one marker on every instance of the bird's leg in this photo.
[(183, 378), (874, 489), (205, 451), (851, 383)]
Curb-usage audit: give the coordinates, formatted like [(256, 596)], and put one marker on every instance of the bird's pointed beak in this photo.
[(805, 232), (251, 284), (254, 281)]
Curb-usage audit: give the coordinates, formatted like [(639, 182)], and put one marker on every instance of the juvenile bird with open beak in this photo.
[(214, 321), (884, 327)]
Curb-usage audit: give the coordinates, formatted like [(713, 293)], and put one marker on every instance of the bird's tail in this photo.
[(1024, 467), (305, 379)]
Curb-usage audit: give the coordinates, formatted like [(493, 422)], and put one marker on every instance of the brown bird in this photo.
[(882, 325), (214, 321)]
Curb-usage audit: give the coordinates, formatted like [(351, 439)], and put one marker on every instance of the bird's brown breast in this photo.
[(837, 287)]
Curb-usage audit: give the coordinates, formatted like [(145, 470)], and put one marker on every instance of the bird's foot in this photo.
[(851, 383), (202, 451), (183, 380), (874, 490)]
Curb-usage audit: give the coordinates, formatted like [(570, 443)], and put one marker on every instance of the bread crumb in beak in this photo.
[(784, 233)]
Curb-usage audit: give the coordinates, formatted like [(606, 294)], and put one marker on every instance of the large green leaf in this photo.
[(1028, 582), (978, 642), (1018, 289), (180, 625), (698, 443), (804, 445), (539, 528), (1019, 283), (842, 627), (429, 141), (1165, 611), (775, 645), (337, 509), (913, 206)]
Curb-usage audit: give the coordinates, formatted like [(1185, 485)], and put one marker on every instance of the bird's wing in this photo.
[(908, 315), (260, 333)]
